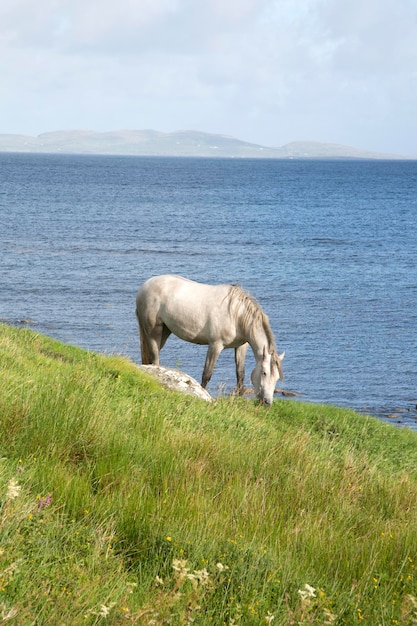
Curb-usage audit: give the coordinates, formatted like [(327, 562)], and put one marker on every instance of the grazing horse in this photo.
[(220, 316)]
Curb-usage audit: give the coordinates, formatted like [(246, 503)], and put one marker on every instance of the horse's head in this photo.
[(264, 377)]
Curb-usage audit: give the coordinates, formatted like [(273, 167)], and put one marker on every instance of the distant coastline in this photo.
[(177, 144)]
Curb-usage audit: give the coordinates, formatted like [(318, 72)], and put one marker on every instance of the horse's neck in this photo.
[(258, 341), (251, 320)]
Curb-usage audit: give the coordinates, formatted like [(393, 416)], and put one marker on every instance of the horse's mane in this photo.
[(253, 315)]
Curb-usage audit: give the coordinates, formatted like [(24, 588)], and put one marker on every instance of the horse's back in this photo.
[(165, 283), (189, 309), (174, 287), (155, 288)]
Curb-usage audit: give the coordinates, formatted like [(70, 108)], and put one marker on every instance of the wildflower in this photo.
[(202, 576), (168, 538), (221, 567), (104, 610), (193, 579), (179, 565), (269, 617), (307, 592), (45, 501), (13, 490), (159, 581)]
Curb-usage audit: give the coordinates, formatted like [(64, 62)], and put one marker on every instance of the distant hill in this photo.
[(180, 143)]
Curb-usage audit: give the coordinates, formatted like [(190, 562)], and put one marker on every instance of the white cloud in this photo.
[(265, 70)]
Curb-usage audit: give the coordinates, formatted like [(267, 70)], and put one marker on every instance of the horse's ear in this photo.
[(281, 357)]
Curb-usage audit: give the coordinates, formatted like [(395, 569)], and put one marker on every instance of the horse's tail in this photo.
[(143, 342)]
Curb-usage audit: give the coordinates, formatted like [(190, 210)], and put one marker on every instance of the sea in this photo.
[(327, 247)]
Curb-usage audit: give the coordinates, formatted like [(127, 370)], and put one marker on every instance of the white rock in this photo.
[(177, 381)]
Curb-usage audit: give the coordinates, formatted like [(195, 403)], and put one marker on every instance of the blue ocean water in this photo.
[(328, 248)]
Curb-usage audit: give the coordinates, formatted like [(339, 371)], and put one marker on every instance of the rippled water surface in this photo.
[(328, 248)]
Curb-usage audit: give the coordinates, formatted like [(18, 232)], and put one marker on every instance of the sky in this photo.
[(265, 71)]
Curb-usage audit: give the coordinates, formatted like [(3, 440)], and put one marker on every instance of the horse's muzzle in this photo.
[(265, 401)]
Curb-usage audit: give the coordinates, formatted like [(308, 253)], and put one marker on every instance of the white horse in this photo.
[(220, 316)]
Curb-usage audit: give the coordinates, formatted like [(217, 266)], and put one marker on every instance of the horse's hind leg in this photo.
[(240, 356), (154, 343), (156, 340), (143, 340), (150, 342)]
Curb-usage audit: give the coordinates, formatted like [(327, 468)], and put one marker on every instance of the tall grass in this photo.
[(124, 503)]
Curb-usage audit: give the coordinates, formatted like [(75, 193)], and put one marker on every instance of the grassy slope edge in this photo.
[(124, 503)]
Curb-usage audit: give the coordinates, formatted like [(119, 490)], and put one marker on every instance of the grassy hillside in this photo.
[(123, 503)]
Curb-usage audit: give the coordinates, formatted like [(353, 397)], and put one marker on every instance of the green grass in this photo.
[(123, 503)]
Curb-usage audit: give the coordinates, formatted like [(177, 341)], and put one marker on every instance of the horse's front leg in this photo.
[(213, 352), (240, 356)]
